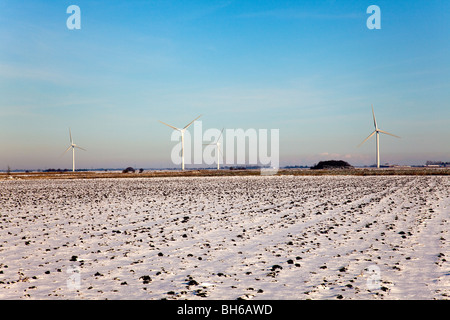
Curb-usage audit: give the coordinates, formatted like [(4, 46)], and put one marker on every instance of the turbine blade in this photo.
[(70, 135), (191, 122), (220, 134), (218, 139), (80, 148), (367, 138), (170, 125), (388, 133), (374, 120), (66, 150)]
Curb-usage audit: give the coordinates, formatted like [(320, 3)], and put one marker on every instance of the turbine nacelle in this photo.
[(73, 146), (217, 144), (182, 137)]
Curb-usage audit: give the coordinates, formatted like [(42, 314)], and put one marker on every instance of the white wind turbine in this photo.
[(377, 131), (219, 152), (73, 146), (182, 137)]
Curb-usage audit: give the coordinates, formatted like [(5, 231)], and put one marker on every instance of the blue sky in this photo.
[(311, 69)]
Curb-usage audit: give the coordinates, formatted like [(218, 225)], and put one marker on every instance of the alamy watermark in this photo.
[(73, 277), (230, 147), (373, 281), (74, 20), (374, 21)]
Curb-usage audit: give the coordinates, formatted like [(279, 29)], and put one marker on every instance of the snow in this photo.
[(255, 237)]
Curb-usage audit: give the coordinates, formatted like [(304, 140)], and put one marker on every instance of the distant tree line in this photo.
[(332, 164), (131, 170), (438, 163), (55, 170)]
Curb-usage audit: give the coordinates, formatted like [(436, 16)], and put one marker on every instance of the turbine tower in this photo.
[(73, 146), (219, 152), (182, 137), (377, 131)]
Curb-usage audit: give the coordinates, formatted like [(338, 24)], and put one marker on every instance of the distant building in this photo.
[(435, 164)]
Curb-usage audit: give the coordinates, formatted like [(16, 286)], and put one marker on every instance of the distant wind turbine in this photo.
[(73, 146), (377, 131), (182, 137), (217, 144)]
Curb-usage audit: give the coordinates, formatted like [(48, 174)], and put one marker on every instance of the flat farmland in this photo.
[(226, 237)]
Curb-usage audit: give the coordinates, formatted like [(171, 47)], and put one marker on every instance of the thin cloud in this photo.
[(31, 73), (293, 14), (206, 11)]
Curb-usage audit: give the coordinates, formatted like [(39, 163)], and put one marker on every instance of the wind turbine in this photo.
[(377, 131), (73, 146), (182, 137), (217, 143)]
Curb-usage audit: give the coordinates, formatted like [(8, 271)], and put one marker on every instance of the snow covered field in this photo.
[(331, 237)]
